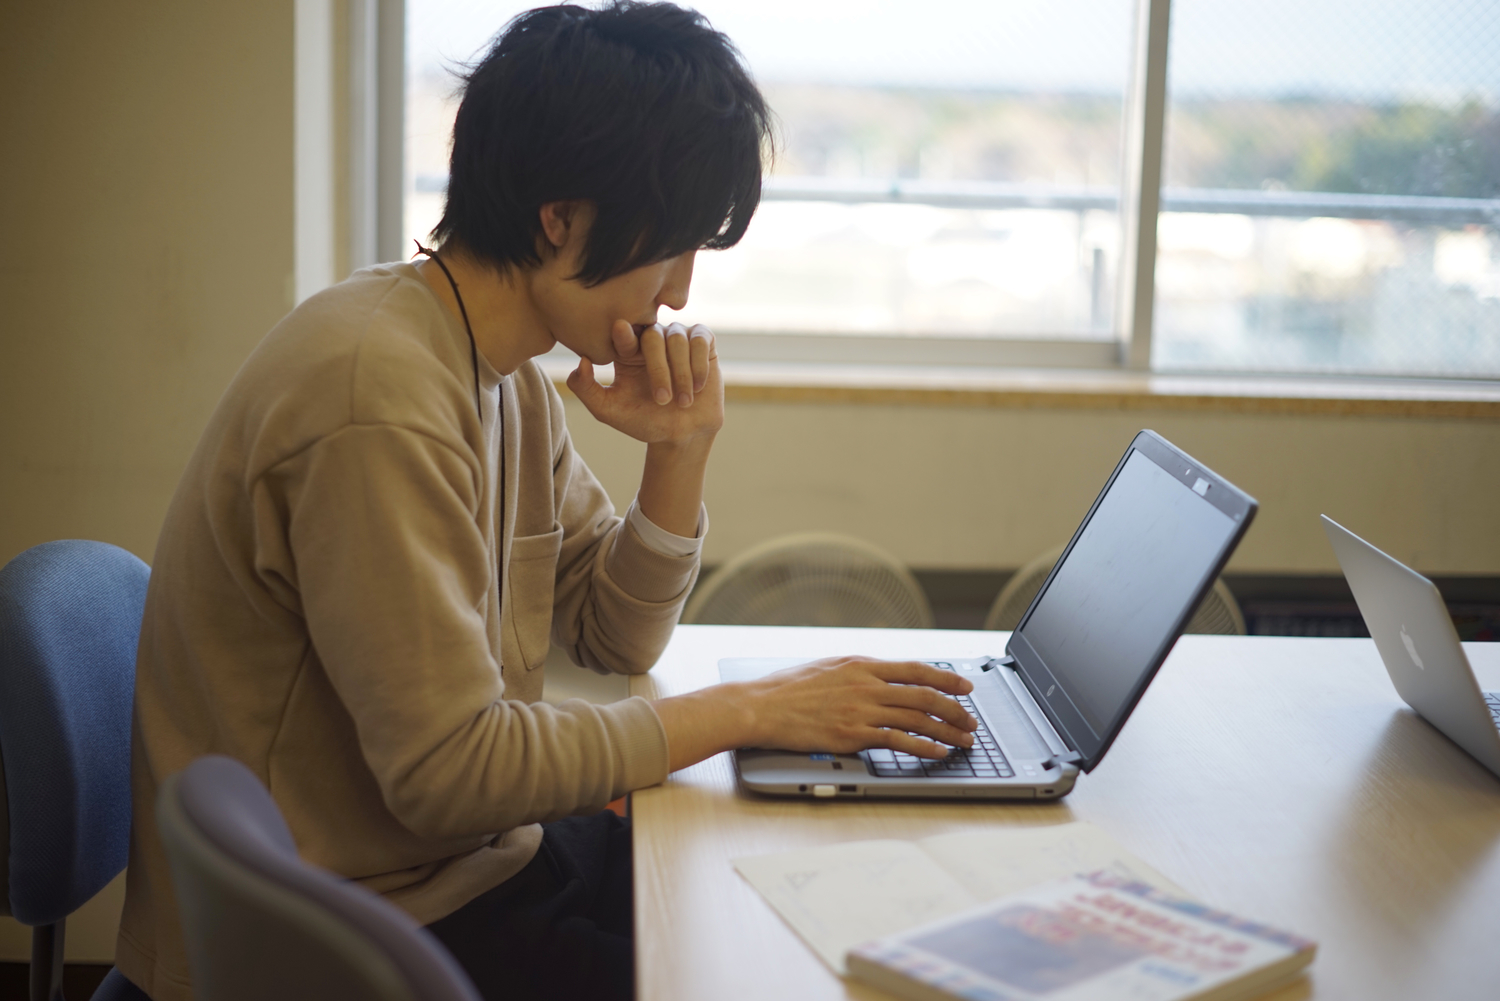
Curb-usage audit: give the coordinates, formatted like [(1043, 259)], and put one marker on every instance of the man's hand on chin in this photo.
[(667, 389)]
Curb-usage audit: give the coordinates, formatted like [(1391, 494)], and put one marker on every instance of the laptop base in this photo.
[(847, 776)]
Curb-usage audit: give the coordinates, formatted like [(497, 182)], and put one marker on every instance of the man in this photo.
[(385, 524)]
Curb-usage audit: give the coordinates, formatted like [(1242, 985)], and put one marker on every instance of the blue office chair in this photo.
[(70, 618), (261, 923)]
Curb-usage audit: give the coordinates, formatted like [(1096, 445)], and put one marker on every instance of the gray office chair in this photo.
[(262, 924), (1218, 612), (812, 579)]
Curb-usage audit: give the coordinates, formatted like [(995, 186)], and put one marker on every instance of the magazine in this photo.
[(1096, 937)]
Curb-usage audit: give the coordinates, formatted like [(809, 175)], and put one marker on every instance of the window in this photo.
[(1332, 188), (950, 182)]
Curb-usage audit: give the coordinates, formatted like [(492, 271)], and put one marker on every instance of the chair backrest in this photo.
[(70, 620), (1218, 612), (1017, 594), (812, 579), (261, 923)]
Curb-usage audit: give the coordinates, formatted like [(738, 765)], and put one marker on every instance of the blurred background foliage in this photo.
[(1298, 144), (1320, 145)]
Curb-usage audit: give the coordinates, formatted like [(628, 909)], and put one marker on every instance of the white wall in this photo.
[(975, 488), (146, 209)]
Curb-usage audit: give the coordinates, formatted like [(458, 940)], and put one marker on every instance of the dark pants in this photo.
[(561, 928)]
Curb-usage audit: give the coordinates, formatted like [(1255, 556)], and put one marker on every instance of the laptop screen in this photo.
[(1106, 618)]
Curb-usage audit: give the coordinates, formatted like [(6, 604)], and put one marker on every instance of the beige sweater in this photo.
[(324, 608)]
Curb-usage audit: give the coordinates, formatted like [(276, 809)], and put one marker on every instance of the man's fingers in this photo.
[(654, 351), (931, 703), (627, 345), (915, 721), (583, 384), (701, 349), (900, 740), (679, 361), (911, 672)]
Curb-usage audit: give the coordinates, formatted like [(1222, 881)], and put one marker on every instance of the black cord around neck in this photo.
[(468, 328)]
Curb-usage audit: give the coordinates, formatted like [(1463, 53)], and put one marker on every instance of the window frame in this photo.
[(371, 79)]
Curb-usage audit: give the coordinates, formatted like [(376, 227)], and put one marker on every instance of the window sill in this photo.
[(1077, 389)]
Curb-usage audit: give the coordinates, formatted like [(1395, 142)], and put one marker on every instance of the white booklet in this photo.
[(1097, 937), (839, 896)]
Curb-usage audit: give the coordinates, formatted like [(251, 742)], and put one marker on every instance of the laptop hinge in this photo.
[(994, 662), (1065, 758)]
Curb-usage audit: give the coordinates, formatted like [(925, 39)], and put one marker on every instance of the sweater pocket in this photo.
[(532, 574)]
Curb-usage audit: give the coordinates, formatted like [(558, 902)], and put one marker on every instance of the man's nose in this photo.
[(674, 291)]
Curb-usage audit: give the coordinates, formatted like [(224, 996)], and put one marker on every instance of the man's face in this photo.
[(634, 296), (580, 317)]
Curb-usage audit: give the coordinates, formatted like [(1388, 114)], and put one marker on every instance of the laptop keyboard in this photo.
[(1492, 699), (983, 760)]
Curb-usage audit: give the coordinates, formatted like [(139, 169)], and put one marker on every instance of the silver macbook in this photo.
[(1149, 549), (1412, 630)]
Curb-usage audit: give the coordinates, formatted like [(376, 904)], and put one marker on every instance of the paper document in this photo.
[(838, 896)]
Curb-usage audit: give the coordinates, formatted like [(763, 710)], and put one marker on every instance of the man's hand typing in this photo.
[(839, 704)]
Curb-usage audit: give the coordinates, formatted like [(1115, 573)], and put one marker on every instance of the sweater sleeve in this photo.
[(662, 540), (393, 575), (617, 599)]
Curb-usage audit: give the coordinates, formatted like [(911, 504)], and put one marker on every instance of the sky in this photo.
[(1365, 49)]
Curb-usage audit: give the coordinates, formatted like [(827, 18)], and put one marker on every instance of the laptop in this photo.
[(1151, 546), (1412, 630)]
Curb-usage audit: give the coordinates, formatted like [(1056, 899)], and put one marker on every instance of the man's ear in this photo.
[(561, 222)]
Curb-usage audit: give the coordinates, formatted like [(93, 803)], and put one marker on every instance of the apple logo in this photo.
[(1411, 648)]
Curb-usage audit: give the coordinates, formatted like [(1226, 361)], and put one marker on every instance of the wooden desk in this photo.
[(1280, 778)]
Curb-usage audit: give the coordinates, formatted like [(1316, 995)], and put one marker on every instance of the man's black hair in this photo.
[(640, 108)]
